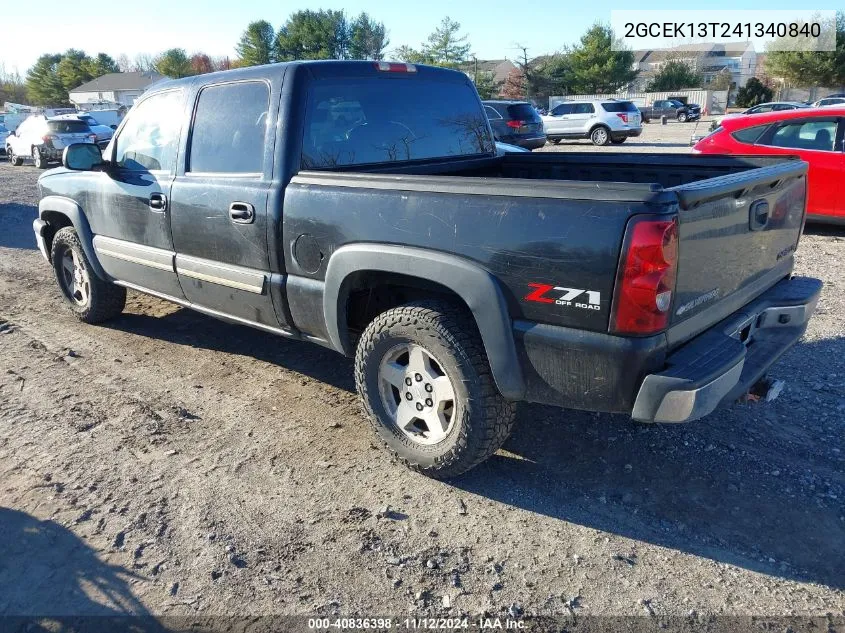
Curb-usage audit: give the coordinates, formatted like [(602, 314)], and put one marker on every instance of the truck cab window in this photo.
[(150, 137), (229, 129), (360, 120)]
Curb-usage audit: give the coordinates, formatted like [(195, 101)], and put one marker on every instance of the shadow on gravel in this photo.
[(186, 327), (16, 225), (51, 580), (707, 488), (755, 485), (827, 230)]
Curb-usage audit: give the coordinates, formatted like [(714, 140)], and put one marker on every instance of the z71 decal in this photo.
[(570, 297)]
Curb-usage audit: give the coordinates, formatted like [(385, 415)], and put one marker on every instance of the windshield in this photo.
[(523, 112), (677, 104), (619, 106), (68, 127), (365, 120)]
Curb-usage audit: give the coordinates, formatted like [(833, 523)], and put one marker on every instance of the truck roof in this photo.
[(319, 69)]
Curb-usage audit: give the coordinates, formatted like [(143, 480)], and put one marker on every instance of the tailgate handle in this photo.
[(758, 215)]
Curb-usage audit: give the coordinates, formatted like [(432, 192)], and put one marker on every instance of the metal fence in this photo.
[(711, 101)]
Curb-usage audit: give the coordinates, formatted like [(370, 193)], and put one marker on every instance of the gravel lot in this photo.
[(170, 464)]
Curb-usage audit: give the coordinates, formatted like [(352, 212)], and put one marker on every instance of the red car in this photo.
[(817, 135)]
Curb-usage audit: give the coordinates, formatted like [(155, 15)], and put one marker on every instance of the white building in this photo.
[(123, 88), (739, 59)]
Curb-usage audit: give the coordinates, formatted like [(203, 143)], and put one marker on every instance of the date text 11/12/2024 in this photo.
[(416, 624)]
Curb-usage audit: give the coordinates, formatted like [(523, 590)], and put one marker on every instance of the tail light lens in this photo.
[(646, 278), (515, 124), (48, 138), (623, 116)]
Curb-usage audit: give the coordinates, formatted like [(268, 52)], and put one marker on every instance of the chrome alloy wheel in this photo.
[(77, 285), (417, 393)]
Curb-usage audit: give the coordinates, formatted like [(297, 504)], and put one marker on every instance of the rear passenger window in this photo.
[(750, 134), (817, 135), (229, 128), (492, 113), (584, 108)]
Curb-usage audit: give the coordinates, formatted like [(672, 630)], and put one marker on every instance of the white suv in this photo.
[(602, 121), (44, 139)]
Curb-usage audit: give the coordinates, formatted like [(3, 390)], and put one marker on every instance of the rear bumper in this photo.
[(724, 362), (595, 371), (626, 133)]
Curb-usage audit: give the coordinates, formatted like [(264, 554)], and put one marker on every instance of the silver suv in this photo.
[(602, 121), (43, 139)]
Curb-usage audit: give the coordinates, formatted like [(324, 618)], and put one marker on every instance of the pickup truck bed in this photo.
[(362, 206), (559, 219)]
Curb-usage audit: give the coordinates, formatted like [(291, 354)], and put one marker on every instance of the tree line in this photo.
[(589, 66)]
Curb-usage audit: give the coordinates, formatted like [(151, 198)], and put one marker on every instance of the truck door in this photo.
[(219, 200), (129, 209)]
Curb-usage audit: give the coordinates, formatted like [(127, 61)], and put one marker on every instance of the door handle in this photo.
[(242, 212), (158, 201)]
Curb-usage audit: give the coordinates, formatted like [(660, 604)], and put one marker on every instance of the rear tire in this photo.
[(425, 385), (38, 158), (90, 298), (600, 135)]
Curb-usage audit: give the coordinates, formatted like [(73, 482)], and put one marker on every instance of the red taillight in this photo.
[(646, 278), (394, 67), (623, 116), (48, 137), (515, 124)]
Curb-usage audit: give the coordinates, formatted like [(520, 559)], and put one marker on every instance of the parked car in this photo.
[(761, 108), (103, 133), (815, 135), (672, 109), (43, 140), (110, 118), (4, 133), (829, 101), (461, 280), (603, 121), (504, 148), (515, 123)]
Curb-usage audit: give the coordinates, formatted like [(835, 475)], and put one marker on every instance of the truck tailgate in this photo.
[(738, 234)]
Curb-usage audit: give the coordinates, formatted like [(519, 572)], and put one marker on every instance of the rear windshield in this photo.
[(366, 120), (68, 127), (619, 106), (523, 112)]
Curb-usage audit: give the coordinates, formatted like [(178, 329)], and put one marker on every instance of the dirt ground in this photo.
[(170, 464)]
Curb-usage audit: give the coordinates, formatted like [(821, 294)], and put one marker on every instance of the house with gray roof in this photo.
[(709, 59), (122, 88)]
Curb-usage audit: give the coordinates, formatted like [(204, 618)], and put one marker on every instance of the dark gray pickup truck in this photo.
[(363, 206)]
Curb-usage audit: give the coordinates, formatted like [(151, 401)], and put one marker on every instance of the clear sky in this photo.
[(33, 27)]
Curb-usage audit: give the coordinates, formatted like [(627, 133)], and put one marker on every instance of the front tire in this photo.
[(426, 387), (16, 161), (90, 298), (554, 141), (600, 136), (38, 158), (682, 117)]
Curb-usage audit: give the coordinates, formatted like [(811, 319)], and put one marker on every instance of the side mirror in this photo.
[(82, 157)]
